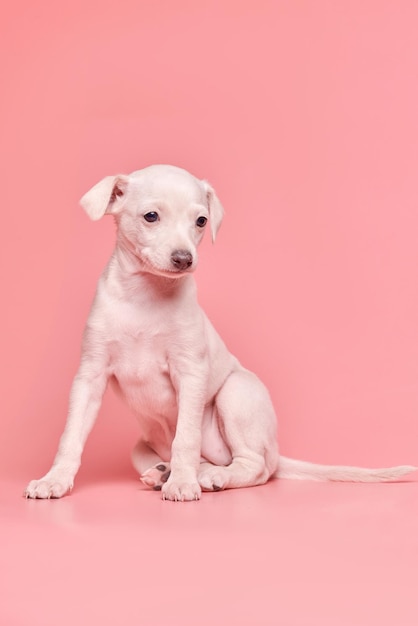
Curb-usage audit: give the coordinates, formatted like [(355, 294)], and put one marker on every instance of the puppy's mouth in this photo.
[(168, 272)]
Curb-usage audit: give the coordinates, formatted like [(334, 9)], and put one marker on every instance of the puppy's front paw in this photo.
[(50, 486), (179, 491)]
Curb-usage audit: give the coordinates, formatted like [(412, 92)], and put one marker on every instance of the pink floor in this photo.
[(289, 553)]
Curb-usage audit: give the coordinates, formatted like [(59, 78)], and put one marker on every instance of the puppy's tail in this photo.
[(302, 470)]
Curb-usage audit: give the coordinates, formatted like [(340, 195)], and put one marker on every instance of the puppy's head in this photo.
[(161, 212)]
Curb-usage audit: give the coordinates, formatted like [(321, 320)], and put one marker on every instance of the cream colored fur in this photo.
[(202, 415)]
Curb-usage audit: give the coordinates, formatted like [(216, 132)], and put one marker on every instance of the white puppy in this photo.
[(205, 421)]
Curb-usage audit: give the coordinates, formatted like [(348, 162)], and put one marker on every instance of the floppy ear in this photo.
[(105, 197), (216, 211)]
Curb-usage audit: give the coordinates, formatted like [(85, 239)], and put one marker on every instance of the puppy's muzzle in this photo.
[(181, 259)]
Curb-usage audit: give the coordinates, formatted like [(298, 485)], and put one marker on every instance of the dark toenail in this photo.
[(161, 467), (165, 477), (216, 488), (157, 487)]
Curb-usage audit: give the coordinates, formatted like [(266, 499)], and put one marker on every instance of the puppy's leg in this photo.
[(182, 484), (249, 425), (153, 471), (85, 399)]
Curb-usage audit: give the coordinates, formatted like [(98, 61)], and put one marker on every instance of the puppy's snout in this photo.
[(181, 259)]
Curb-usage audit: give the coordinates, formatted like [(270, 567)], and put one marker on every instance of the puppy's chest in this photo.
[(143, 346), (140, 357)]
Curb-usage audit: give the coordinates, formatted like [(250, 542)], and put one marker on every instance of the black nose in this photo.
[(181, 259)]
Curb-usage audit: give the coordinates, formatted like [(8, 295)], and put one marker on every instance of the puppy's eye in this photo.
[(201, 221), (152, 216)]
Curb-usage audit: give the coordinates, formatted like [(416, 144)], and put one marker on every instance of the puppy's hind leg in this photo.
[(248, 422), (152, 470)]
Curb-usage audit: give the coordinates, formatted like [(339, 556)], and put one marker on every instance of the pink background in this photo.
[(303, 116)]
